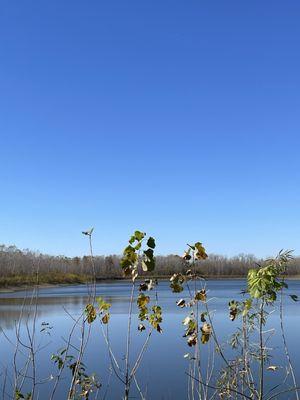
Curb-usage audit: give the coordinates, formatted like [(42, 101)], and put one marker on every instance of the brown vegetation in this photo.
[(19, 267)]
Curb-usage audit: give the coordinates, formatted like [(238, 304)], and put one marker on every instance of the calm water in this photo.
[(162, 373)]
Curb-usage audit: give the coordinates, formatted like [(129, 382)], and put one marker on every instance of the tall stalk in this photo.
[(84, 337), (261, 350), (127, 364), (286, 350)]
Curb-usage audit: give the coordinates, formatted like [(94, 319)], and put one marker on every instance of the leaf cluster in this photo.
[(131, 255)]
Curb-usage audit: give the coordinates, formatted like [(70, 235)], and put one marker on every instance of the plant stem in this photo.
[(261, 348), (127, 375), (286, 350)]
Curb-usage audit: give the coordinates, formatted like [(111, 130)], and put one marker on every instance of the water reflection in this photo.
[(164, 364)]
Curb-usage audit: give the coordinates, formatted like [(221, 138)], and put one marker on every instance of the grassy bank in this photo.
[(61, 278), (52, 278)]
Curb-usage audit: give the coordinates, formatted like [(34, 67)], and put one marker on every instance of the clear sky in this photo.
[(179, 118)]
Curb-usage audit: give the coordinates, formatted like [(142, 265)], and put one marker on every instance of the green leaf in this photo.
[(142, 300), (176, 283), (132, 239), (156, 318), (200, 253), (204, 338), (90, 312), (129, 260), (129, 251), (206, 332), (200, 295), (139, 235), (151, 242), (176, 287), (203, 315), (148, 265), (138, 246), (149, 253), (103, 306), (247, 306), (18, 395)]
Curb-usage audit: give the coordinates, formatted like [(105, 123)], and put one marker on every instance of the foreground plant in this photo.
[(197, 324), (265, 284), (243, 375), (85, 384), (138, 256)]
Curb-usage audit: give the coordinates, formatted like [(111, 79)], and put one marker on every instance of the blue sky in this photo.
[(177, 118)]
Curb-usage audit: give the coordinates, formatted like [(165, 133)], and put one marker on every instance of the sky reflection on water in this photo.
[(162, 374)]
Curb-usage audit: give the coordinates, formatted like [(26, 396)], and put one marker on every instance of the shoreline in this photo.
[(19, 288)]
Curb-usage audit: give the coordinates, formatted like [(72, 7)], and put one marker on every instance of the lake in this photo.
[(163, 370)]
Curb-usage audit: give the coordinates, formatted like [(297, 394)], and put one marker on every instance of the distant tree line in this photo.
[(14, 261)]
